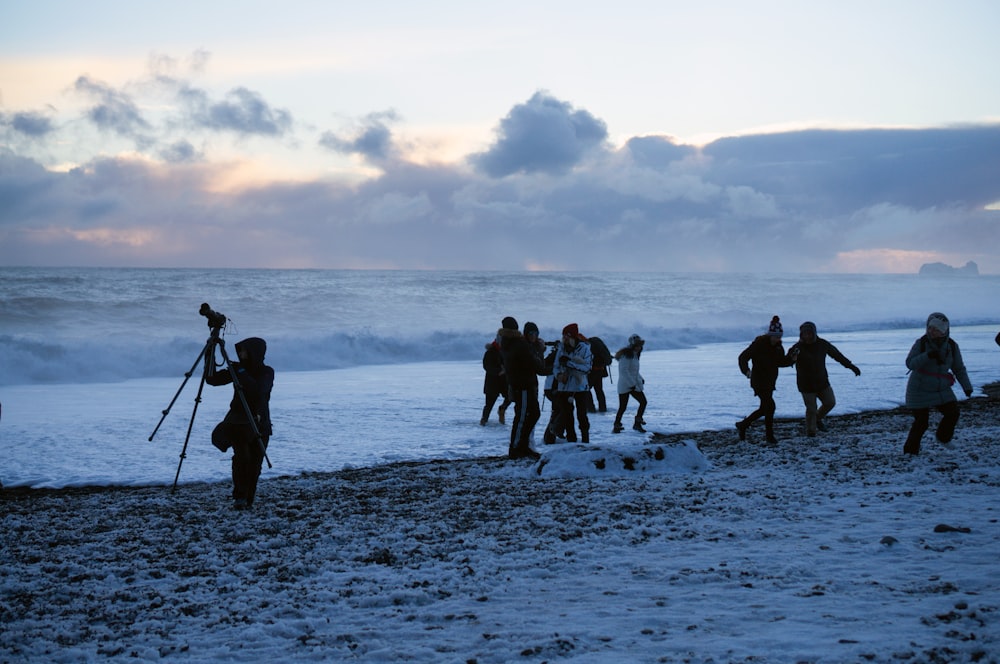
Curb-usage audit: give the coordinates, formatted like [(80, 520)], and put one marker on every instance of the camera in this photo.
[(215, 319)]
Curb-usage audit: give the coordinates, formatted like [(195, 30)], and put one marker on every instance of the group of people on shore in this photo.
[(935, 364), (575, 365), (572, 367)]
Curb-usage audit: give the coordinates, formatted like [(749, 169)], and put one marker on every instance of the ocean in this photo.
[(381, 366)]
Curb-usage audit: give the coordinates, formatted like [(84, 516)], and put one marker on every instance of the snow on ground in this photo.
[(659, 548)]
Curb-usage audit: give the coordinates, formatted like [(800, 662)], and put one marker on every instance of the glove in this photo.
[(934, 355), (968, 393), (747, 373), (564, 360), (857, 372)]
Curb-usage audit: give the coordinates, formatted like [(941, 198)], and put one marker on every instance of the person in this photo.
[(573, 362), (523, 357), (256, 380), (808, 355), (630, 383), (595, 379), (552, 431), (767, 355), (935, 363), (495, 382)]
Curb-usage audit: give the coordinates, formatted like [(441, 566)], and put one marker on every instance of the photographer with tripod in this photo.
[(236, 430)]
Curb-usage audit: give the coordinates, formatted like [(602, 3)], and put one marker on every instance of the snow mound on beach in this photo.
[(589, 460)]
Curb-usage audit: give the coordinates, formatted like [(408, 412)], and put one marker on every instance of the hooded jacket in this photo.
[(522, 362), (629, 378), (579, 362), (811, 376), (766, 359), (935, 365), (256, 379)]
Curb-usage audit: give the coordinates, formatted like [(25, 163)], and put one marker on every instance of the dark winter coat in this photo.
[(931, 378), (766, 359), (522, 361), (810, 364), (256, 379), (495, 381)]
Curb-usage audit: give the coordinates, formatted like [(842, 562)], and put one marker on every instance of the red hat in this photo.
[(573, 330)]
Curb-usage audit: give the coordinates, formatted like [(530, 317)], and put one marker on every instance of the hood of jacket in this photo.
[(255, 348)]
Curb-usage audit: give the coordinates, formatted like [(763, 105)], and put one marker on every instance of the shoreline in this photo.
[(836, 548), (786, 429)]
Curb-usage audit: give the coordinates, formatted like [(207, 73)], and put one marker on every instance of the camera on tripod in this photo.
[(215, 319)]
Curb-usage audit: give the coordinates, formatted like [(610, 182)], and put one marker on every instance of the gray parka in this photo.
[(931, 379)]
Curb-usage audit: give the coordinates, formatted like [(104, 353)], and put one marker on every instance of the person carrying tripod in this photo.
[(235, 430)]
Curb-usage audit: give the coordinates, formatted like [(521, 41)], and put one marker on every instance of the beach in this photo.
[(682, 547)]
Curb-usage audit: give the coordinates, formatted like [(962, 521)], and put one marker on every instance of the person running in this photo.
[(808, 355), (767, 355), (630, 383), (935, 363)]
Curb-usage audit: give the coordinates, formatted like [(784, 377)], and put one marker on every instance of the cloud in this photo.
[(542, 135), (243, 111), (549, 191), (373, 140), (115, 111), (179, 152), (28, 123)]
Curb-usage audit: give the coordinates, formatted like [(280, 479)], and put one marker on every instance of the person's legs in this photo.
[(809, 399), (532, 413), (946, 429), (641, 398), (921, 417), (491, 399), (827, 400), (247, 461), (565, 423), (507, 400), (582, 399), (549, 437), (602, 401), (768, 406), (622, 405)]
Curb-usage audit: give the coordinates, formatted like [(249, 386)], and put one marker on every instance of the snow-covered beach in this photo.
[(834, 549)]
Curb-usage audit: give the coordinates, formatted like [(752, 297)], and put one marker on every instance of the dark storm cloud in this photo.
[(243, 111), (373, 140), (542, 135), (834, 171), (114, 110), (179, 152), (29, 123)]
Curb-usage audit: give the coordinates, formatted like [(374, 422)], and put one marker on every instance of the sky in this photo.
[(773, 136)]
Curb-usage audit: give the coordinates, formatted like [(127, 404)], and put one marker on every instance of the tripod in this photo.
[(215, 323)]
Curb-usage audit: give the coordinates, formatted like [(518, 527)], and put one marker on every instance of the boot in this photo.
[(501, 415), (638, 425), (584, 436), (618, 428), (741, 429)]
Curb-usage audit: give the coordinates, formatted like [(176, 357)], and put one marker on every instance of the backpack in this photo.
[(600, 351)]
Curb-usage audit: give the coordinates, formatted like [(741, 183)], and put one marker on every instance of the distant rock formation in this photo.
[(970, 269)]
